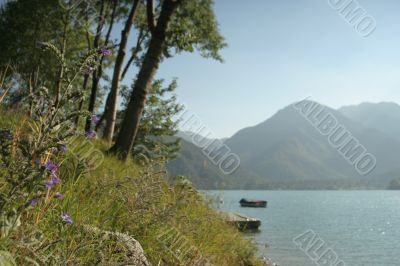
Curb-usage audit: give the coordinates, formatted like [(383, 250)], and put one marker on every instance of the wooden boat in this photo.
[(253, 203), (242, 222)]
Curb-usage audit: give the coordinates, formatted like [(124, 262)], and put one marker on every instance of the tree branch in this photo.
[(135, 52)]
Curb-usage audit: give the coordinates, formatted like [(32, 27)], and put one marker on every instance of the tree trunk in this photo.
[(133, 113), (111, 115)]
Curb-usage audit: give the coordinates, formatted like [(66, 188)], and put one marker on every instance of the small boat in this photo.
[(253, 203), (242, 222)]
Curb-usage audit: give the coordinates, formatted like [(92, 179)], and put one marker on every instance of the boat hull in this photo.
[(253, 203)]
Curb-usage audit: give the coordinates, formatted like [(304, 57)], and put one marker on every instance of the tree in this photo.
[(182, 26), (157, 124)]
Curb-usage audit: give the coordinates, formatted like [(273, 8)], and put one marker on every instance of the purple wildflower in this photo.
[(66, 218), (63, 148), (55, 179), (52, 167), (34, 201), (49, 184), (105, 51), (58, 195), (95, 119), (91, 134)]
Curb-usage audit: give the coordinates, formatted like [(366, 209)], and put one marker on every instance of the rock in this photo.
[(136, 253)]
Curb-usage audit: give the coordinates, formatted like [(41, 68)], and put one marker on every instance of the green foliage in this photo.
[(195, 27)]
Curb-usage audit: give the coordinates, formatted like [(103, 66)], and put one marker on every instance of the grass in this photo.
[(128, 198)]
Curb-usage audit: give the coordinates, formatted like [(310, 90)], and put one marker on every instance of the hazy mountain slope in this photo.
[(384, 116)]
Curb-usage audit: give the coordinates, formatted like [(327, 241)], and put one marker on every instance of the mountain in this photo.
[(384, 116), (287, 151)]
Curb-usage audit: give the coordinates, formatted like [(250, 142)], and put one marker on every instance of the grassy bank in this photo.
[(171, 220)]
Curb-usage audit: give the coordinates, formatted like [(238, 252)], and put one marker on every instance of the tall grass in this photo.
[(123, 197)]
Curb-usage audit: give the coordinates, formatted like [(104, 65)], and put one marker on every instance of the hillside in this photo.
[(103, 211)]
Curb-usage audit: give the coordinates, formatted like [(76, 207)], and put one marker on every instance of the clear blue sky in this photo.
[(281, 51)]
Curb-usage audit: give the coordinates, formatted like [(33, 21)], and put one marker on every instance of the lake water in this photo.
[(362, 227)]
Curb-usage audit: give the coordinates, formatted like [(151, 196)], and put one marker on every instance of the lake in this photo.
[(361, 227)]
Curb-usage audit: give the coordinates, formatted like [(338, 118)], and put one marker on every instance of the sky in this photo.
[(282, 51)]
